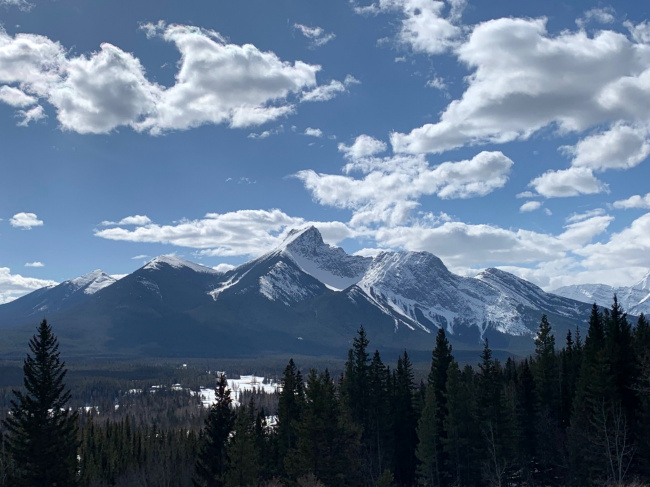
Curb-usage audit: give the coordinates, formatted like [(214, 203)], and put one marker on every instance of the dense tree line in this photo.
[(575, 415)]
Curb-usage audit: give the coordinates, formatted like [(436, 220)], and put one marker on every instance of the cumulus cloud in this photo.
[(601, 15), (568, 182), (244, 232), (217, 83), (427, 26), (223, 267), (26, 221), (635, 201), (15, 97), (514, 90), (621, 147), (13, 286), (313, 132), (238, 233), (640, 32), (32, 115), (129, 220), (530, 206), (391, 186), (329, 91), (629, 247), (363, 146), (34, 264), (316, 35)]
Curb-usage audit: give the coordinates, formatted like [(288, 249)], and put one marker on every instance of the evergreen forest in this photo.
[(575, 413)]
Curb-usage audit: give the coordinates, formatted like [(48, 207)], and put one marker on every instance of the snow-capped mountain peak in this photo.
[(92, 282), (643, 284), (330, 265), (177, 263)]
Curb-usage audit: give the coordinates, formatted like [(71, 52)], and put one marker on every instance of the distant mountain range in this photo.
[(634, 299), (304, 297)]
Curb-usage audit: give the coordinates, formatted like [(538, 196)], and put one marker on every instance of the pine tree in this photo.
[(547, 410), (461, 425), (431, 431), (213, 460), (290, 404), (243, 450), (328, 442), (404, 422), (41, 430)]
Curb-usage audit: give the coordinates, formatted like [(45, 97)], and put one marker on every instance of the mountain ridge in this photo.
[(305, 297)]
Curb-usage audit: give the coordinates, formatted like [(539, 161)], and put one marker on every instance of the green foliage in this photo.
[(212, 462), (41, 433)]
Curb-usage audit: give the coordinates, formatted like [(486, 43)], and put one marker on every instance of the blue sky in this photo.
[(509, 134)]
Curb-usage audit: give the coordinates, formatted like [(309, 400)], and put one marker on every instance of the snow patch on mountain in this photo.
[(178, 263), (330, 265), (233, 281), (634, 299), (92, 282), (283, 283)]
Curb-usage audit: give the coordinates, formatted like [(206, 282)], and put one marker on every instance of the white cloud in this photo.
[(621, 147), (25, 221), (525, 194), (363, 146), (244, 232), (423, 27), (514, 89), (34, 264), (640, 32), (390, 188), (530, 206), (135, 220), (313, 132), (140, 257), (627, 248), (15, 97), (568, 182), (601, 15), (217, 83), (13, 286), (437, 83), (23, 5), (329, 91), (129, 220), (223, 267), (32, 115), (578, 217), (316, 35), (635, 201)]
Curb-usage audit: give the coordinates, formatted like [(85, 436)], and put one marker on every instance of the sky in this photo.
[(492, 134)]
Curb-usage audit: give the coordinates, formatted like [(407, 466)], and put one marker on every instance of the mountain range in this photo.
[(634, 299), (304, 297)]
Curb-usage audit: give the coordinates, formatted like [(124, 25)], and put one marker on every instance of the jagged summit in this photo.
[(330, 265), (177, 263), (92, 282)]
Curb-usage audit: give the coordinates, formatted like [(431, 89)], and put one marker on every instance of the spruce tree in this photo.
[(41, 430), (243, 450), (213, 460), (290, 404), (431, 432)]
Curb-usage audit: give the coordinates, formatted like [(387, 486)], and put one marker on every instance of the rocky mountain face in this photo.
[(304, 297), (634, 299)]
